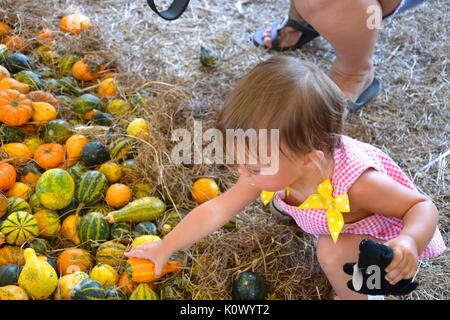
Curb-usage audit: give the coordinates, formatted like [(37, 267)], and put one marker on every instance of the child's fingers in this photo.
[(398, 257)]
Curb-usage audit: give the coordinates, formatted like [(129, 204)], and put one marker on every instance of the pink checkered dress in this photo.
[(352, 158)]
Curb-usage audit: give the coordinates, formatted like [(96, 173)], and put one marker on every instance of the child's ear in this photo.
[(313, 157)]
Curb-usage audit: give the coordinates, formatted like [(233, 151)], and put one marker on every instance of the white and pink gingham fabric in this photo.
[(352, 158)]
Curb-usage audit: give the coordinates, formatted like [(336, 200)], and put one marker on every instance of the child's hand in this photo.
[(404, 263), (154, 251)]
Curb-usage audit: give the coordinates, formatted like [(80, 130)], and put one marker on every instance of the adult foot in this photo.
[(288, 37)]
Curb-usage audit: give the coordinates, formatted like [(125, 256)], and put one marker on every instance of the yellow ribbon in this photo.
[(323, 200)]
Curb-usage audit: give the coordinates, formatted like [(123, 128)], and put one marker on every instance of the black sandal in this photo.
[(308, 34), (367, 95)]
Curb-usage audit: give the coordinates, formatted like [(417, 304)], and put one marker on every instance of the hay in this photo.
[(409, 120)]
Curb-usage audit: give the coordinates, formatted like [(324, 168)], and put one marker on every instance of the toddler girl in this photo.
[(334, 187)]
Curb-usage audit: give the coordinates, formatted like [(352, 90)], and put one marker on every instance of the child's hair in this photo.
[(293, 96)]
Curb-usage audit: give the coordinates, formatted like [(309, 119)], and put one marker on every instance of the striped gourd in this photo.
[(144, 209), (143, 292), (111, 252), (68, 85), (77, 170), (18, 204), (19, 227), (91, 187), (88, 289), (85, 103), (93, 227), (55, 189), (145, 228), (121, 230), (120, 148)]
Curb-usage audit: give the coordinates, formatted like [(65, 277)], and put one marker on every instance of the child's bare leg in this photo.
[(333, 256)]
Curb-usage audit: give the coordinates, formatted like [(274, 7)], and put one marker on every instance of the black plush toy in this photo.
[(369, 273)]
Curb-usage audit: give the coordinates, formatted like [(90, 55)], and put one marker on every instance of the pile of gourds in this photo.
[(66, 216)]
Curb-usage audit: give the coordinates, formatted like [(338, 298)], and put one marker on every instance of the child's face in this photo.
[(288, 171)]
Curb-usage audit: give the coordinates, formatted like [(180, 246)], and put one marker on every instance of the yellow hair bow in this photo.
[(323, 200)]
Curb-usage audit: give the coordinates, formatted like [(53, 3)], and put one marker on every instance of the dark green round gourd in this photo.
[(85, 103), (40, 246), (91, 187), (249, 286), (145, 228), (32, 79), (93, 227), (94, 153), (103, 118), (88, 289), (9, 274), (16, 62), (57, 131), (68, 85), (11, 134), (115, 293), (51, 85), (120, 230)]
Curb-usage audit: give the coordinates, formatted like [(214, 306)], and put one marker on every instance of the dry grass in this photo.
[(409, 120)]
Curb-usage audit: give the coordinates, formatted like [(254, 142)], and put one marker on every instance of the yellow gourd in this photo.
[(105, 274), (37, 278), (144, 239), (66, 284)]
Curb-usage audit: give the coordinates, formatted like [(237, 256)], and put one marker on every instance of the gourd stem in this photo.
[(79, 208)]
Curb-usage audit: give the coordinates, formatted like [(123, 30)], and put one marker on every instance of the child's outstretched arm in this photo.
[(199, 223), (376, 192)]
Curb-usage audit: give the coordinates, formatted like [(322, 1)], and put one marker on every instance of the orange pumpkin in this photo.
[(142, 270), (10, 83), (30, 174), (86, 70), (72, 260), (74, 23), (204, 189), (49, 155), (42, 96), (69, 228), (18, 151), (107, 88), (20, 190), (4, 73), (4, 29), (126, 284), (16, 43), (3, 205), (74, 146), (8, 176), (46, 35), (118, 195), (11, 255), (15, 108)]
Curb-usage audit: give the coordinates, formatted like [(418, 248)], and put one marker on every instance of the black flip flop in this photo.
[(308, 34), (367, 95)]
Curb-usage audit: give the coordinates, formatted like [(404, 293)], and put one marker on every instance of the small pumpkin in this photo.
[(143, 292), (15, 108), (87, 70), (12, 292), (102, 118), (49, 155), (112, 171), (55, 189), (18, 151), (20, 190), (120, 148), (48, 222), (93, 227), (118, 107), (47, 54), (69, 229), (111, 253), (9, 274), (68, 85), (145, 228), (66, 63), (85, 103), (105, 274), (144, 239), (142, 190), (43, 96), (30, 78), (204, 189), (118, 195), (17, 62), (74, 146), (88, 289), (16, 43), (126, 284), (72, 260), (66, 284), (77, 170), (57, 131), (11, 255), (4, 73), (138, 128), (46, 35), (30, 174), (10, 83), (74, 23), (43, 112), (107, 88), (33, 143), (40, 246), (121, 231), (16, 204), (8, 176)]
